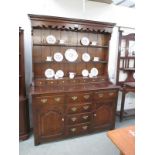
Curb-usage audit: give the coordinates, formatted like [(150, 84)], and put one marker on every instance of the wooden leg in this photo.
[(36, 142), (122, 106)]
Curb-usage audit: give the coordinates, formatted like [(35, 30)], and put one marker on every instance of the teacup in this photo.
[(71, 75), (96, 58), (49, 58), (94, 43), (61, 41)]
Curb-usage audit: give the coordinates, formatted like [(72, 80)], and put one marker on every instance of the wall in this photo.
[(122, 16)]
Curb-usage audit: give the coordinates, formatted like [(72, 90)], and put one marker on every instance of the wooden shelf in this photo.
[(127, 69), (65, 45), (66, 62), (128, 57)]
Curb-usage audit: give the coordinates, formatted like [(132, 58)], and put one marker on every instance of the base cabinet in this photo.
[(58, 116), (103, 115)]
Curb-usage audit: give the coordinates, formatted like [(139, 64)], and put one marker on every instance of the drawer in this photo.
[(39, 82), (62, 81), (51, 82), (43, 100), (80, 118), (80, 97), (100, 95), (79, 108), (78, 129)]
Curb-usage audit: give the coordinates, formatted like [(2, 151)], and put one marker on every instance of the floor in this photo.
[(95, 144)]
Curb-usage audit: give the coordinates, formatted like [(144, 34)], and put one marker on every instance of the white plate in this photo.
[(71, 55), (51, 39), (60, 73), (94, 71), (85, 41), (58, 57), (49, 73), (85, 57), (85, 72)]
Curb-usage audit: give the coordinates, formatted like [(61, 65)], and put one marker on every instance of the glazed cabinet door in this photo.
[(103, 115)]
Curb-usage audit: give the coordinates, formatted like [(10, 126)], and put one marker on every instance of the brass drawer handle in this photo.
[(73, 129), (86, 107), (85, 117), (74, 109), (73, 119), (57, 99), (62, 119), (43, 100), (86, 96), (95, 115), (85, 127), (51, 81), (74, 98), (100, 95), (40, 82), (111, 94)]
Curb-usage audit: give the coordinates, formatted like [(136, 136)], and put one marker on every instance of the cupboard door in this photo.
[(103, 115), (51, 123)]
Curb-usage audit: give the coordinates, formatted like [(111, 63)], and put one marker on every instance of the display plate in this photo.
[(60, 73), (71, 55), (94, 71), (85, 41), (49, 73), (51, 39), (85, 72), (85, 57), (58, 57)]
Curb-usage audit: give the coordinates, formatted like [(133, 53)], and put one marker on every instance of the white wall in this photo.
[(122, 16)]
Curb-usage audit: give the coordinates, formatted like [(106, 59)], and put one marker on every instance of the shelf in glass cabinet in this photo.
[(70, 45)]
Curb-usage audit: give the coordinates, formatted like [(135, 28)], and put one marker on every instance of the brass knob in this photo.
[(62, 119), (43, 100), (86, 96), (74, 109), (85, 117), (73, 129), (95, 115), (73, 119), (100, 95), (74, 98), (110, 94), (85, 127), (86, 107), (57, 99)]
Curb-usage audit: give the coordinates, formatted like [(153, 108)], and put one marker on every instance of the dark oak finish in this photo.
[(23, 102), (124, 65), (70, 107)]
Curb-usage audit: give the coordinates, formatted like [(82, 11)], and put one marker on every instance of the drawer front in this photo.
[(47, 100), (78, 129), (79, 108), (51, 82), (82, 118), (39, 82), (81, 97), (101, 95)]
